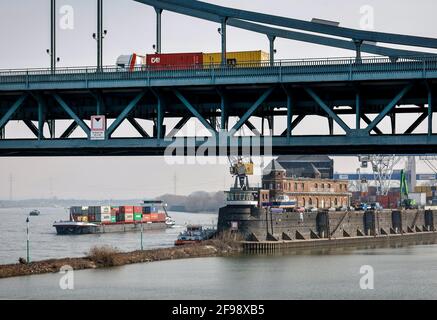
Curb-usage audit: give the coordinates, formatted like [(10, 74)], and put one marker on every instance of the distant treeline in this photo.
[(196, 202)]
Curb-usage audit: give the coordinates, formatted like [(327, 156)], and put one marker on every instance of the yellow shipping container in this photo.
[(239, 59)]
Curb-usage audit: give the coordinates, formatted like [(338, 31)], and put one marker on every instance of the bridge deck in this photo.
[(292, 89), (283, 71)]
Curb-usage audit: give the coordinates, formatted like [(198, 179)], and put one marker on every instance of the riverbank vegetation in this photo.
[(226, 244)]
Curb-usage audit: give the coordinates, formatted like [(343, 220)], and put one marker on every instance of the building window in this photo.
[(310, 202), (295, 186), (336, 201), (329, 186), (304, 202), (316, 186), (323, 186), (303, 186)]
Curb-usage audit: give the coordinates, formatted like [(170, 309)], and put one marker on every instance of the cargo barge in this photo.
[(152, 215)]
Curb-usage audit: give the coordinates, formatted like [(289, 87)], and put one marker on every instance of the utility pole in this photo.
[(158, 30), (53, 35), (100, 34), (52, 51)]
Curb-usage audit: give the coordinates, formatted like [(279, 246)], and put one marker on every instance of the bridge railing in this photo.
[(247, 69)]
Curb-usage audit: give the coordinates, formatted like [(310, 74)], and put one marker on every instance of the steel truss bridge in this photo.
[(370, 89)]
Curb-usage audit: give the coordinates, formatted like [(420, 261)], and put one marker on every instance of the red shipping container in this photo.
[(138, 209), (127, 209), (146, 218), (174, 61)]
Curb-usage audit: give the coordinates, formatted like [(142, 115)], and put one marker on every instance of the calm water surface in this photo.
[(400, 273), (46, 244)]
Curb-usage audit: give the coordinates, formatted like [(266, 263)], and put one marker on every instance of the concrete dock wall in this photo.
[(260, 225)]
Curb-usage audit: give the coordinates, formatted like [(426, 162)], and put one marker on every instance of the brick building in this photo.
[(308, 192)]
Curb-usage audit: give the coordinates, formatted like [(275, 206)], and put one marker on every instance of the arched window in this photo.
[(329, 186), (310, 202), (323, 186), (336, 201), (316, 186), (295, 186), (304, 202)]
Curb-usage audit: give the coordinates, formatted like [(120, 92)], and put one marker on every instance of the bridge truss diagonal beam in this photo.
[(67, 133), (5, 119), (73, 115), (294, 124), (252, 128), (251, 110), (352, 34), (417, 123), (32, 127), (328, 110), (368, 121), (125, 113), (195, 113), (389, 107), (178, 127), (138, 127)]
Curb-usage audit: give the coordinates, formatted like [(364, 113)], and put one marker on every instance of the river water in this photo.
[(45, 244), (408, 272)]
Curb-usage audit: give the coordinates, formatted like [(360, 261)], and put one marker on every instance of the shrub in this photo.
[(105, 255)]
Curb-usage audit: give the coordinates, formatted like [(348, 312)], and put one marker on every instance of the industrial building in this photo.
[(309, 190)]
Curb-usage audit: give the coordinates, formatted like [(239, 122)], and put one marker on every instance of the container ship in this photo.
[(152, 215)]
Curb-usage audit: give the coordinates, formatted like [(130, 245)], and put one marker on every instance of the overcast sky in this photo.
[(25, 36)]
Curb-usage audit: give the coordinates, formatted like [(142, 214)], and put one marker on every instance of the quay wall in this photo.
[(257, 224)]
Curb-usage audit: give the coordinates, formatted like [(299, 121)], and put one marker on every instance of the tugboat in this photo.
[(194, 234), (34, 213)]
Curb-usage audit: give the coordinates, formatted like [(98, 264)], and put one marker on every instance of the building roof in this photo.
[(273, 166)]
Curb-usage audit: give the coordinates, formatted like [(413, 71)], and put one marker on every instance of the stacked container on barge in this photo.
[(152, 215)]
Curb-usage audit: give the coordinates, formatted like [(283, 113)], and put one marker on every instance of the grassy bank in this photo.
[(104, 257)]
